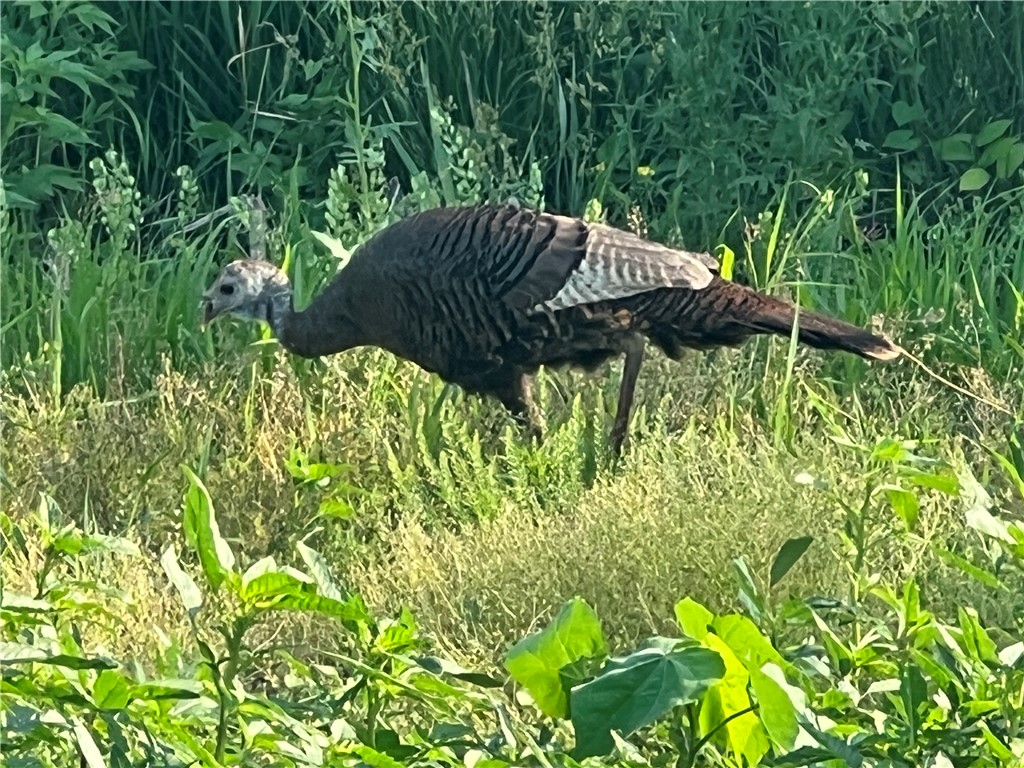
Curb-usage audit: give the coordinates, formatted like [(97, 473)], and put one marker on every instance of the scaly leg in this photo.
[(535, 420), (630, 372)]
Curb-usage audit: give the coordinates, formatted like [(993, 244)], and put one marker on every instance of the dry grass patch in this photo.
[(666, 526)]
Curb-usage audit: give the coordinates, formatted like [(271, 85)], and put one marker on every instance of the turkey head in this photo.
[(248, 289)]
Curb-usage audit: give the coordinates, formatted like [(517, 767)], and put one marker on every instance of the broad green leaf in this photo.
[(889, 450), (978, 502), (905, 504), (902, 139), (334, 246), (22, 653), (534, 662), (904, 113), (338, 508), (72, 541), (268, 588), (261, 567), (750, 596), (992, 131), (775, 708), (835, 746), (289, 590), (985, 522), (636, 690), (110, 691), (998, 150), (190, 595), (398, 635), (947, 484), (1003, 752), (787, 557), (15, 602), (955, 150), (974, 179), (976, 639), (746, 641), (203, 533), (373, 758), (840, 657), (1011, 654), (693, 618), (741, 734)]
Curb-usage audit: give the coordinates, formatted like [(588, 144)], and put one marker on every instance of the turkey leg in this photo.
[(630, 372), (520, 403), (513, 388)]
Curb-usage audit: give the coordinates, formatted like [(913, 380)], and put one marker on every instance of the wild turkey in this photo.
[(485, 295)]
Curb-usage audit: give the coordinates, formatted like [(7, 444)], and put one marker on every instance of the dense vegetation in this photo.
[(214, 554)]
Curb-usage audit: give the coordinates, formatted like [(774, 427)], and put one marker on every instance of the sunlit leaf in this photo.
[(693, 618), (775, 708), (87, 747), (190, 595), (320, 571), (905, 504), (535, 661), (203, 533), (110, 691), (726, 707), (974, 179)]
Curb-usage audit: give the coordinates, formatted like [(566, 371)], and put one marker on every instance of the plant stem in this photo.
[(707, 737)]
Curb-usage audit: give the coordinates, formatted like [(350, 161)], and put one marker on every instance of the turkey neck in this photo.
[(323, 328)]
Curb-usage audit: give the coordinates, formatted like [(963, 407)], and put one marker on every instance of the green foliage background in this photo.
[(124, 124), (725, 101)]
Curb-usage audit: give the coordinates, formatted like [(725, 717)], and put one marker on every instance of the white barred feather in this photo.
[(619, 264)]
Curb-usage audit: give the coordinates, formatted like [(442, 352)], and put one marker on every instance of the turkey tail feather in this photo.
[(824, 332), (755, 312)]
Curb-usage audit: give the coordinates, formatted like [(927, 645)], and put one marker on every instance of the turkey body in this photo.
[(483, 296)]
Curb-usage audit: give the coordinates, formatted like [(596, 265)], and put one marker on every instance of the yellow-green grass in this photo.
[(482, 534)]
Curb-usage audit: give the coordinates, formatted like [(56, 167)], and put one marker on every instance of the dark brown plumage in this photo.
[(485, 295)]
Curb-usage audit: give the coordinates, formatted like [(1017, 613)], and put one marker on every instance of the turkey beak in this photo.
[(209, 311)]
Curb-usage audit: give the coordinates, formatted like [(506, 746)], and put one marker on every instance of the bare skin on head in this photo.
[(486, 295), (246, 289)]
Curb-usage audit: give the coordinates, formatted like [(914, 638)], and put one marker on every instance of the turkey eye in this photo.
[(227, 290)]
